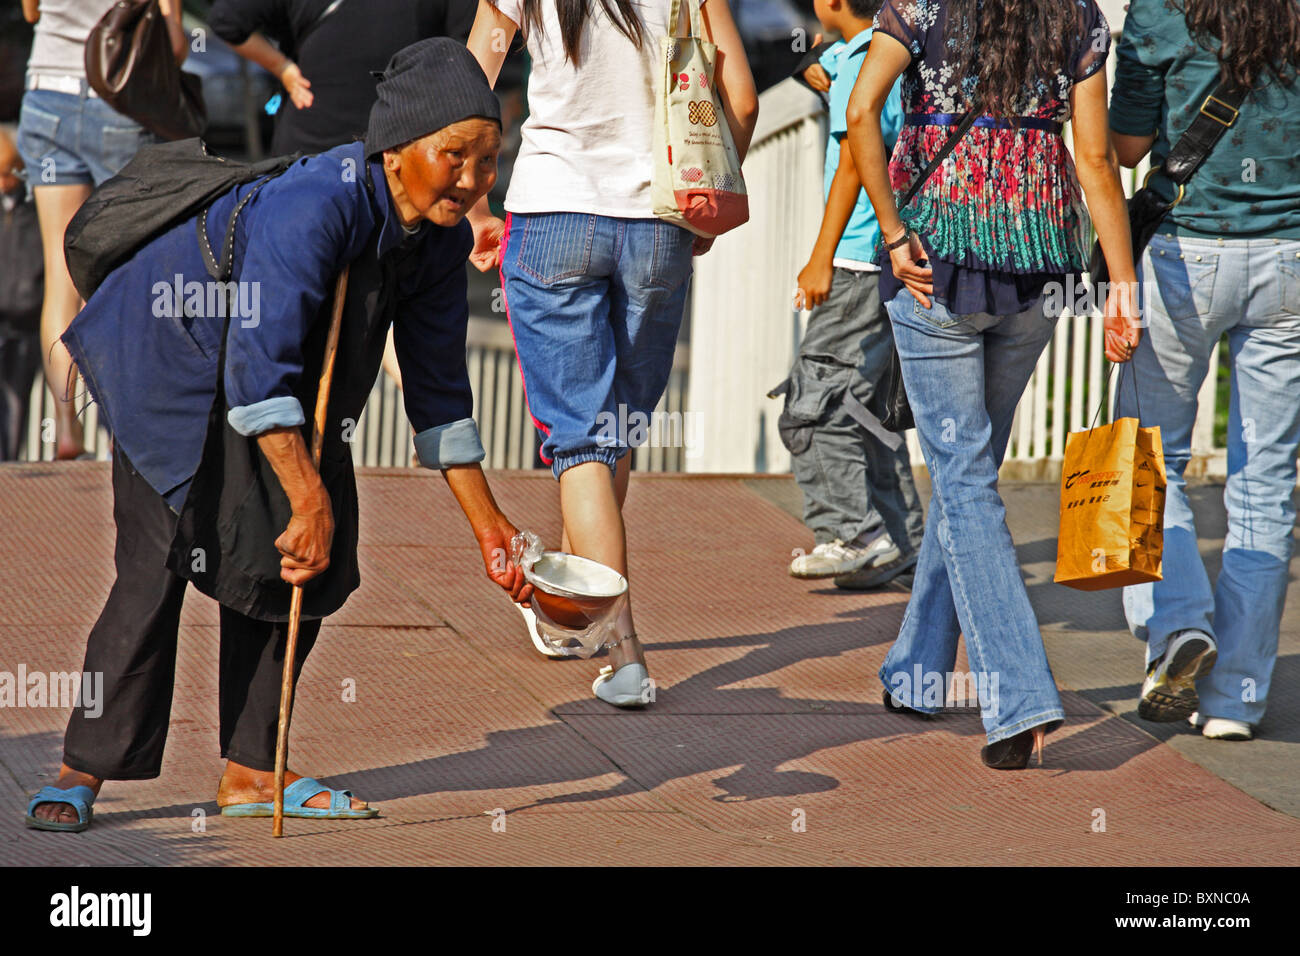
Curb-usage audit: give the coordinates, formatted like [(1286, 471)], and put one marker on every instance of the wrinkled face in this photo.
[(439, 177)]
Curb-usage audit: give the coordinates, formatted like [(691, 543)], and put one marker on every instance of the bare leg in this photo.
[(55, 207), (591, 503), (391, 368), (621, 477)]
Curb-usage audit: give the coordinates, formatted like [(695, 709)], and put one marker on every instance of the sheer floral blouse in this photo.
[(1003, 215)]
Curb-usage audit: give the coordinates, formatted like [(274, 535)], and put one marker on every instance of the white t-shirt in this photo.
[(59, 43), (587, 140)]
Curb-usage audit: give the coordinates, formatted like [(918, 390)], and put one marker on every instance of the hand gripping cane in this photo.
[(295, 601)]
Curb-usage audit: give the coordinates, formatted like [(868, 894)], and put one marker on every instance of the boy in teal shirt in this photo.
[(859, 496)]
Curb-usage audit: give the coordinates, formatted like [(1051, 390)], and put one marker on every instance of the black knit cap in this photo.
[(428, 85)]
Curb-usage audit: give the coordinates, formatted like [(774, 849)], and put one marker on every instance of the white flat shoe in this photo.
[(837, 559), (628, 687)]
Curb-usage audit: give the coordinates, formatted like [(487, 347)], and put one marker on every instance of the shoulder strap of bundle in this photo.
[(221, 270)]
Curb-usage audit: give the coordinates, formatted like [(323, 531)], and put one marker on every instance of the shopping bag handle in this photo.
[(1119, 386), (693, 8)]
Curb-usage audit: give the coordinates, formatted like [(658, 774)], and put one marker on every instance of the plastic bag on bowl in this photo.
[(577, 601)]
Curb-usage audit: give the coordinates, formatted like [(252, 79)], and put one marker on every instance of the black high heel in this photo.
[(1012, 753), (897, 708)]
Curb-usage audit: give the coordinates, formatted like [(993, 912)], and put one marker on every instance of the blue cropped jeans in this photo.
[(594, 303)]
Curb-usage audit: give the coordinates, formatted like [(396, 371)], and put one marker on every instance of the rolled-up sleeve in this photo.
[(283, 411), (429, 337), (300, 236), (456, 443), (1137, 102)]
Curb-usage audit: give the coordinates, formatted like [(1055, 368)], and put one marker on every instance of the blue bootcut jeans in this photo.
[(1195, 290), (964, 376)]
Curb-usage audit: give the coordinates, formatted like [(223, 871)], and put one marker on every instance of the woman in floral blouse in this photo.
[(964, 272)]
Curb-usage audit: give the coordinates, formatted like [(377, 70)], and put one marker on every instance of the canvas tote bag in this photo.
[(697, 179)]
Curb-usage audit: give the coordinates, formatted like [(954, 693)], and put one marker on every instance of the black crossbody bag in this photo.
[(891, 398), (1146, 209)]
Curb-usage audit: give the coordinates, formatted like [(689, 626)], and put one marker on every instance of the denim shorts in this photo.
[(68, 139), (594, 304)]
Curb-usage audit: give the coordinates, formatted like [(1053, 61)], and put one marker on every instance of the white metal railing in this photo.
[(383, 434), (744, 329)]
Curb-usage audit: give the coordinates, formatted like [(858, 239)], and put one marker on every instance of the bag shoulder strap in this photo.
[(221, 270), (966, 122), (1216, 116), (694, 23)]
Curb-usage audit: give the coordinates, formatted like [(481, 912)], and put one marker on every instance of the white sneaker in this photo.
[(877, 573), (834, 558), (541, 645), (1222, 728)]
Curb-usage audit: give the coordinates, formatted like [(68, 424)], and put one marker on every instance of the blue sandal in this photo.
[(298, 793), (79, 798)]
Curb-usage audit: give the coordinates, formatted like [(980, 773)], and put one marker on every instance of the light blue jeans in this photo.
[(964, 377), (69, 140), (1193, 291)]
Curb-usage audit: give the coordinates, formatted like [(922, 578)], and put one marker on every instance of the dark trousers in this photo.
[(133, 644), (20, 357)]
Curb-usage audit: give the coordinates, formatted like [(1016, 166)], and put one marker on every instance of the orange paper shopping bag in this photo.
[(1112, 507)]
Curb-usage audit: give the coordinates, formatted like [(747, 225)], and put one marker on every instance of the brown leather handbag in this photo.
[(130, 64)]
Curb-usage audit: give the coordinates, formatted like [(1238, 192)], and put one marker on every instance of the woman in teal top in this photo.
[(1226, 260)]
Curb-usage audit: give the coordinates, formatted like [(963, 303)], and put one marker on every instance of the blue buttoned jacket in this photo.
[(148, 341)]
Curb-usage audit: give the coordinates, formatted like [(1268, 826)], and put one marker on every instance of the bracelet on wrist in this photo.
[(906, 237)]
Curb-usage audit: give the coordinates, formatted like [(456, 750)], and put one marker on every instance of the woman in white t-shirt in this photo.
[(71, 141), (594, 285)]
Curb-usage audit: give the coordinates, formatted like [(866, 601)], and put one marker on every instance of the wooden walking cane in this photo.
[(295, 601)]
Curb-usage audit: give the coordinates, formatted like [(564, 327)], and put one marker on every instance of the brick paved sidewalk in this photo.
[(767, 743)]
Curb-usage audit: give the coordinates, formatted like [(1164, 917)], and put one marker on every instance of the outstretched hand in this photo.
[(494, 543), (487, 242), (297, 86)]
